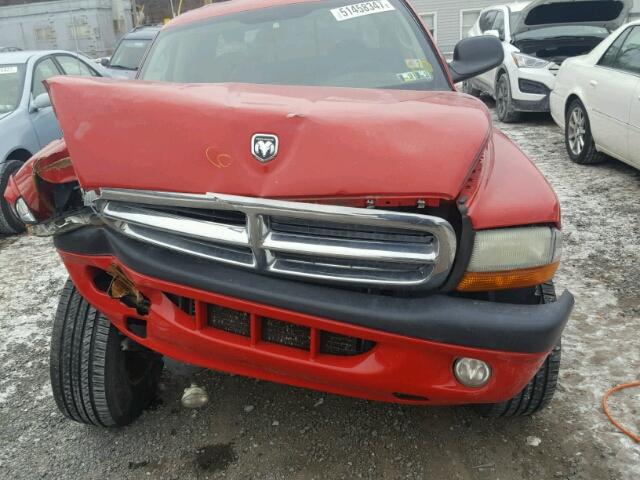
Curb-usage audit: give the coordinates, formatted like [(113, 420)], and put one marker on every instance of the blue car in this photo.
[(27, 121)]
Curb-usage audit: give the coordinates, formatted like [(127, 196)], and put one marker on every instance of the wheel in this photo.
[(578, 138), (504, 101), (9, 221), (98, 376), (538, 393), (468, 88)]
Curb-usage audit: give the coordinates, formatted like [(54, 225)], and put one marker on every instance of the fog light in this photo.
[(23, 212), (471, 372)]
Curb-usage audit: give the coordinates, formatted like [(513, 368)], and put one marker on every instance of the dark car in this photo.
[(126, 59)]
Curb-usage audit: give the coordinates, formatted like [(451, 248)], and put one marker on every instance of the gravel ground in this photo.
[(254, 429)]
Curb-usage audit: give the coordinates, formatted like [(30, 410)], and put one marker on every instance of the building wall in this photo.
[(92, 27), (448, 17), (447, 29)]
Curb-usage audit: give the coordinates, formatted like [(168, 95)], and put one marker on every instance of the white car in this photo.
[(597, 100), (537, 38)]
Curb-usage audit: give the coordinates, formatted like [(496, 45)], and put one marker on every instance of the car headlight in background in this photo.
[(512, 258), (23, 211), (527, 61)]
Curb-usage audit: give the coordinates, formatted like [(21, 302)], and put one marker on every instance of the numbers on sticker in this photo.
[(360, 9)]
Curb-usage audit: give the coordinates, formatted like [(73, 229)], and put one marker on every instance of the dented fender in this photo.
[(35, 181)]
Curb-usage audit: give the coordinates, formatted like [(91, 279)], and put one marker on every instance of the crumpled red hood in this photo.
[(334, 142)]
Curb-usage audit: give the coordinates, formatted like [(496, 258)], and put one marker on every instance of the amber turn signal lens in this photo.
[(490, 281)]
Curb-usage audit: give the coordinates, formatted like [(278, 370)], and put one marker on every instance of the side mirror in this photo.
[(40, 102), (474, 56), (104, 61)]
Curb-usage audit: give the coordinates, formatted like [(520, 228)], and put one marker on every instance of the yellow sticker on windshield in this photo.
[(418, 64), (6, 70), (415, 76), (360, 9)]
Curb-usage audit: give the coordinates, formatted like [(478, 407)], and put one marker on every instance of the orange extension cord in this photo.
[(605, 407)]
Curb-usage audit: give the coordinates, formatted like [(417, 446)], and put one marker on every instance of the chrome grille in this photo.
[(338, 244)]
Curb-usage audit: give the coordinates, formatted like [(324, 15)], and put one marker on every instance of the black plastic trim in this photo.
[(464, 250), (439, 318), (532, 106)]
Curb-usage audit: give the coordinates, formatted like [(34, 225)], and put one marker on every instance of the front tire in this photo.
[(95, 380), (505, 108), (9, 221), (538, 393), (578, 137)]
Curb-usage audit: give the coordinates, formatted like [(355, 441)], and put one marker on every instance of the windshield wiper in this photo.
[(122, 67)]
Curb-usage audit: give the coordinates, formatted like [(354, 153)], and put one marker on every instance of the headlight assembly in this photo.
[(527, 61), (512, 258), (23, 211)]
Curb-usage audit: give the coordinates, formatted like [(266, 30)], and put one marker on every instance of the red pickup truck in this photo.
[(294, 190)]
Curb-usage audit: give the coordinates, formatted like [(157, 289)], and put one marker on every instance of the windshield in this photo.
[(129, 54), (564, 31), (11, 81), (376, 44)]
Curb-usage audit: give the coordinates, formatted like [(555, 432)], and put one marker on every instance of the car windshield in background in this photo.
[(11, 78), (129, 54), (376, 44), (564, 31)]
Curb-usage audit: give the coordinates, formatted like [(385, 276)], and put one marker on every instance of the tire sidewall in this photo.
[(89, 366), (506, 115), (7, 169), (588, 138)]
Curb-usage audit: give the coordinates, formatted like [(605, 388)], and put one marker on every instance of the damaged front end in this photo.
[(46, 195)]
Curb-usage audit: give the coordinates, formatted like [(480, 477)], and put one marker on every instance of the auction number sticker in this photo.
[(6, 70), (361, 9)]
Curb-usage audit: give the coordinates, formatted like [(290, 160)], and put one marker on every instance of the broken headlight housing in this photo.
[(23, 211)]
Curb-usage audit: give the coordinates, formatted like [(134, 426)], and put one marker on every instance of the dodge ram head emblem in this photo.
[(264, 147)]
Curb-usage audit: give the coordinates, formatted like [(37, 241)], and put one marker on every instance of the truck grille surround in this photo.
[(325, 243)]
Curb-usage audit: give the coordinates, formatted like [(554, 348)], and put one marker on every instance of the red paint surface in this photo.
[(396, 364), (334, 142), (512, 191), (31, 181)]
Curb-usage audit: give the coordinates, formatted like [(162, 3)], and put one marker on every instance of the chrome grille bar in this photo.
[(332, 243), (198, 229), (364, 250)]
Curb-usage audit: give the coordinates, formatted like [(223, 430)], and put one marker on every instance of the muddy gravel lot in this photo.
[(258, 430)]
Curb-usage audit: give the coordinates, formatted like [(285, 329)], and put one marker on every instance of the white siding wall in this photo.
[(635, 13), (448, 25)]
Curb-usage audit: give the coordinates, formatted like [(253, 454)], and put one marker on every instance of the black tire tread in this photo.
[(9, 224), (512, 115), (538, 393), (82, 344)]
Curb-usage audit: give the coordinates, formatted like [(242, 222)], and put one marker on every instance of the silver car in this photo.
[(130, 51), (27, 121)]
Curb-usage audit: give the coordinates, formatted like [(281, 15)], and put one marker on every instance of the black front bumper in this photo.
[(529, 86), (439, 318)]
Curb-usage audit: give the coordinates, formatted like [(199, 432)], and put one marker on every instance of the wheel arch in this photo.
[(570, 99), (20, 154), (502, 69)]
